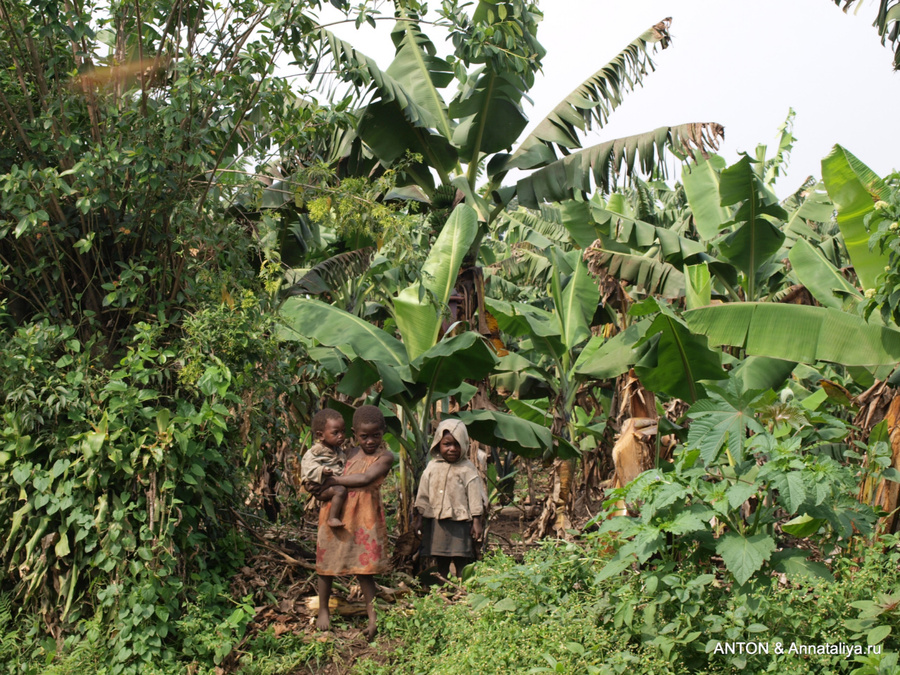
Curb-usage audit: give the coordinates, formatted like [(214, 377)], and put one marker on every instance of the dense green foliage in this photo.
[(194, 256), (119, 480), (143, 387), (555, 613)]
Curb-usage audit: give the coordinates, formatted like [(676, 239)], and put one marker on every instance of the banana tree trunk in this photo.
[(634, 451), (554, 518), (565, 474), (887, 493)]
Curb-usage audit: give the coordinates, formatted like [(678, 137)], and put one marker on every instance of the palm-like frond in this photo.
[(887, 22), (354, 66), (524, 226), (649, 274), (590, 103), (641, 236), (331, 273), (602, 163), (525, 266), (420, 72)]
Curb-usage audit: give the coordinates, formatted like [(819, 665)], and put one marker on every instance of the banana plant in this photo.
[(855, 189), (887, 22), (726, 219), (418, 369), (496, 57), (552, 338), (835, 332)]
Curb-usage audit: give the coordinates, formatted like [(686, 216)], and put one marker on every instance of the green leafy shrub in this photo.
[(745, 499), (558, 612), (117, 482)]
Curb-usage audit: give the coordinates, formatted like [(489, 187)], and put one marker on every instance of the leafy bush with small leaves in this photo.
[(117, 477), (558, 612)]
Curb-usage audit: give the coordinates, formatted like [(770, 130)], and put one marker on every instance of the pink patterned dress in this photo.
[(360, 547)]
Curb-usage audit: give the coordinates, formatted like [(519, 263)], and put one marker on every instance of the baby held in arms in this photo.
[(325, 459)]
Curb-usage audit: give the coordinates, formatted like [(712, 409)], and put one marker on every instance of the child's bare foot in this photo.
[(371, 631), (334, 522), (323, 622)]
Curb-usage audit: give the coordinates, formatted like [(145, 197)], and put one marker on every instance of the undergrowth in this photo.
[(555, 612)]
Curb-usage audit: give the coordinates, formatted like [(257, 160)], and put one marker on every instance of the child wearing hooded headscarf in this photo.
[(451, 501)]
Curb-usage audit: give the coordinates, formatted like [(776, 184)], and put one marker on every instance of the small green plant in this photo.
[(209, 632), (744, 499), (267, 654)]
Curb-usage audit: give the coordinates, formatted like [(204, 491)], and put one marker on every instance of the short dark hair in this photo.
[(321, 419), (368, 414)]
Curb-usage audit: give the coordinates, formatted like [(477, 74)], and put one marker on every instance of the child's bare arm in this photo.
[(379, 469)]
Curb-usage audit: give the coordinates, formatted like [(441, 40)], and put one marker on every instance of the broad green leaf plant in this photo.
[(421, 369), (477, 131)]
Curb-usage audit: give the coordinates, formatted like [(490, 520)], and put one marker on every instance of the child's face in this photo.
[(369, 437), (333, 434), (449, 448)]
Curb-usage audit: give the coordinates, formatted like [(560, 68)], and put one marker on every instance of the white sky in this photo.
[(741, 64)]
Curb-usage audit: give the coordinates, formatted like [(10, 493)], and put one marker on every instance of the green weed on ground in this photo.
[(556, 613)]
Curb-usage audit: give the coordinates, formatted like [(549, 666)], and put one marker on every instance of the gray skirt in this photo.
[(445, 537)]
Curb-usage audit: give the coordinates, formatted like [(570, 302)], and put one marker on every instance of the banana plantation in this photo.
[(680, 388)]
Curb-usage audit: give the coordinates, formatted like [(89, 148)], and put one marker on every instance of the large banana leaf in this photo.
[(762, 373), (402, 119), (797, 333), (650, 275), (473, 199), (562, 178), (420, 72), (417, 317), (755, 240), (390, 135), (490, 116), (604, 359), (451, 361), (677, 360), (701, 187), (590, 103), (640, 235), (577, 301), (359, 68), (854, 188), (363, 373), (816, 206), (750, 247), (334, 327), (517, 376), (575, 216), (886, 22), (488, 103), (519, 319), (503, 430), (697, 286), (821, 278)]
